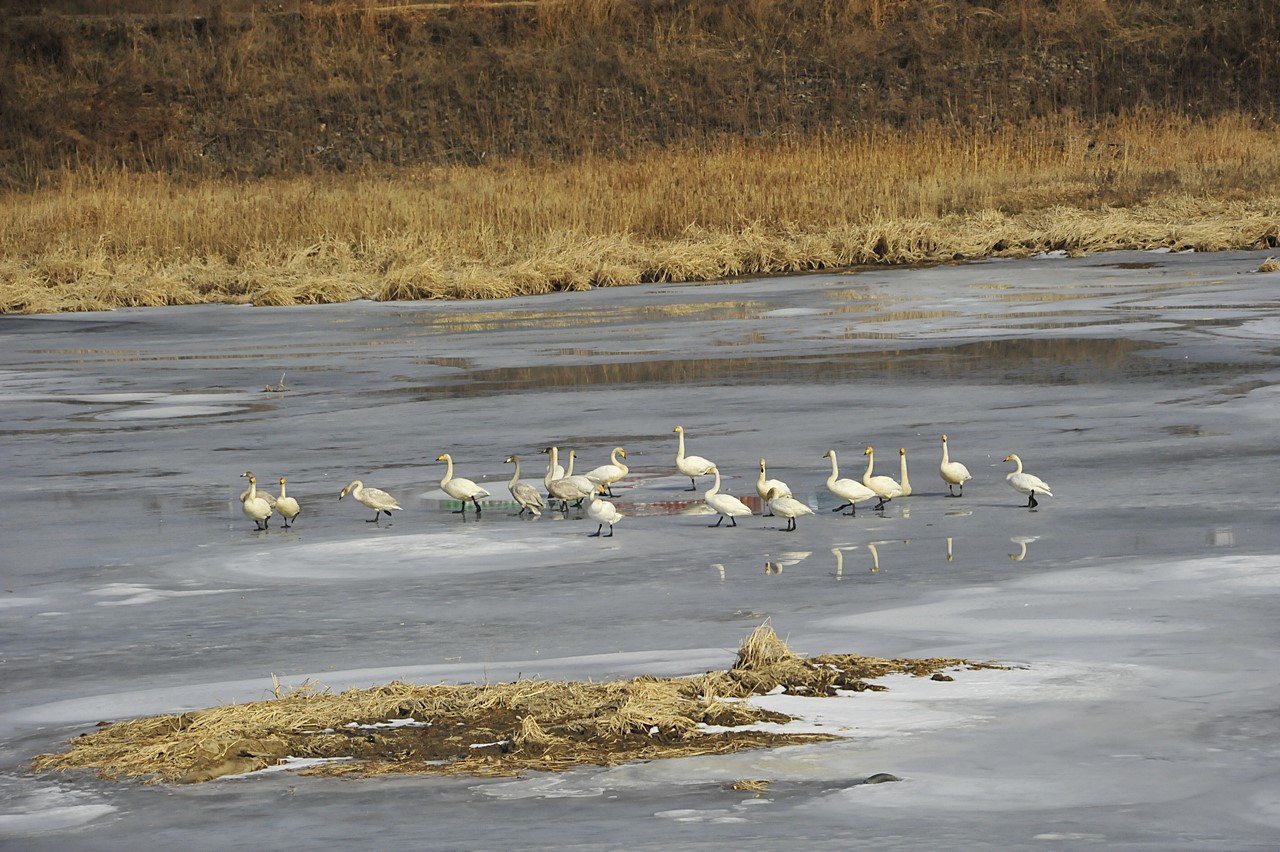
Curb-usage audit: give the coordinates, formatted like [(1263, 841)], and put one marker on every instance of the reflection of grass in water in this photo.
[(495, 729)]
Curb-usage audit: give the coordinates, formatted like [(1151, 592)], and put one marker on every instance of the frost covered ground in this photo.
[(1138, 604)]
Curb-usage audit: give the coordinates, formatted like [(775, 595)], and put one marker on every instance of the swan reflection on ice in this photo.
[(1022, 541)]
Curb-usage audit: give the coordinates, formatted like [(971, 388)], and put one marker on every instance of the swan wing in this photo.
[(851, 490), (777, 485), (376, 498), (727, 504), (885, 486)]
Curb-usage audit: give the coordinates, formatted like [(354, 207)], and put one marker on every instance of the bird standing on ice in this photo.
[(524, 493), (953, 473), (690, 466), (726, 505), (786, 506), (459, 488), (1026, 483), (375, 498), (884, 486), (850, 491), (764, 485), (607, 474), (287, 506), (255, 507), (602, 512)]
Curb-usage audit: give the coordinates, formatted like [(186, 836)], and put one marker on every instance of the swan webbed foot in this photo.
[(717, 523), (693, 486), (610, 535), (596, 533), (733, 522)]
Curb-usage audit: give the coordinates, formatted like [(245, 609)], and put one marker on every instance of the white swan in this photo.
[(524, 493), (764, 486), (271, 501), (607, 474), (563, 489), (1026, 483), (953, 473), (905, 482), (554, 469), (581, 480), (459, 488), (726, 505), (254, 506), (602, 512), (884, 486), (786, 506), (287, 506), (850, 491), (690, 466), (375, 498)]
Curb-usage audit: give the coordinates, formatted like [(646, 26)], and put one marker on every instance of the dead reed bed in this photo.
[(100, 240), (494, 729)]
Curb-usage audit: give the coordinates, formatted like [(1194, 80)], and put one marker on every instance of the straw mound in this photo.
[(497, 729)]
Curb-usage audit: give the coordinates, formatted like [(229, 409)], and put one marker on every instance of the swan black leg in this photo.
[(733, 522), (841, 506), (693, 486), (1031, 500), (717, 523), (597, 532), (610, 535), (477, 504)]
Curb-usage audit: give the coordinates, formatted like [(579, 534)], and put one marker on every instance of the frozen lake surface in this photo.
[(1139, 603)]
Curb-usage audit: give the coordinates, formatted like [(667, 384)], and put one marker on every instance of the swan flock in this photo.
[(562, 486)]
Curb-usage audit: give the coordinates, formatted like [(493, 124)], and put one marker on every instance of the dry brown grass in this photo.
[(497, 729), (104, 240)]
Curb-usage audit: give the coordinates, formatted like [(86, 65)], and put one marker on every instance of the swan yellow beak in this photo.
[(440, 458)]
